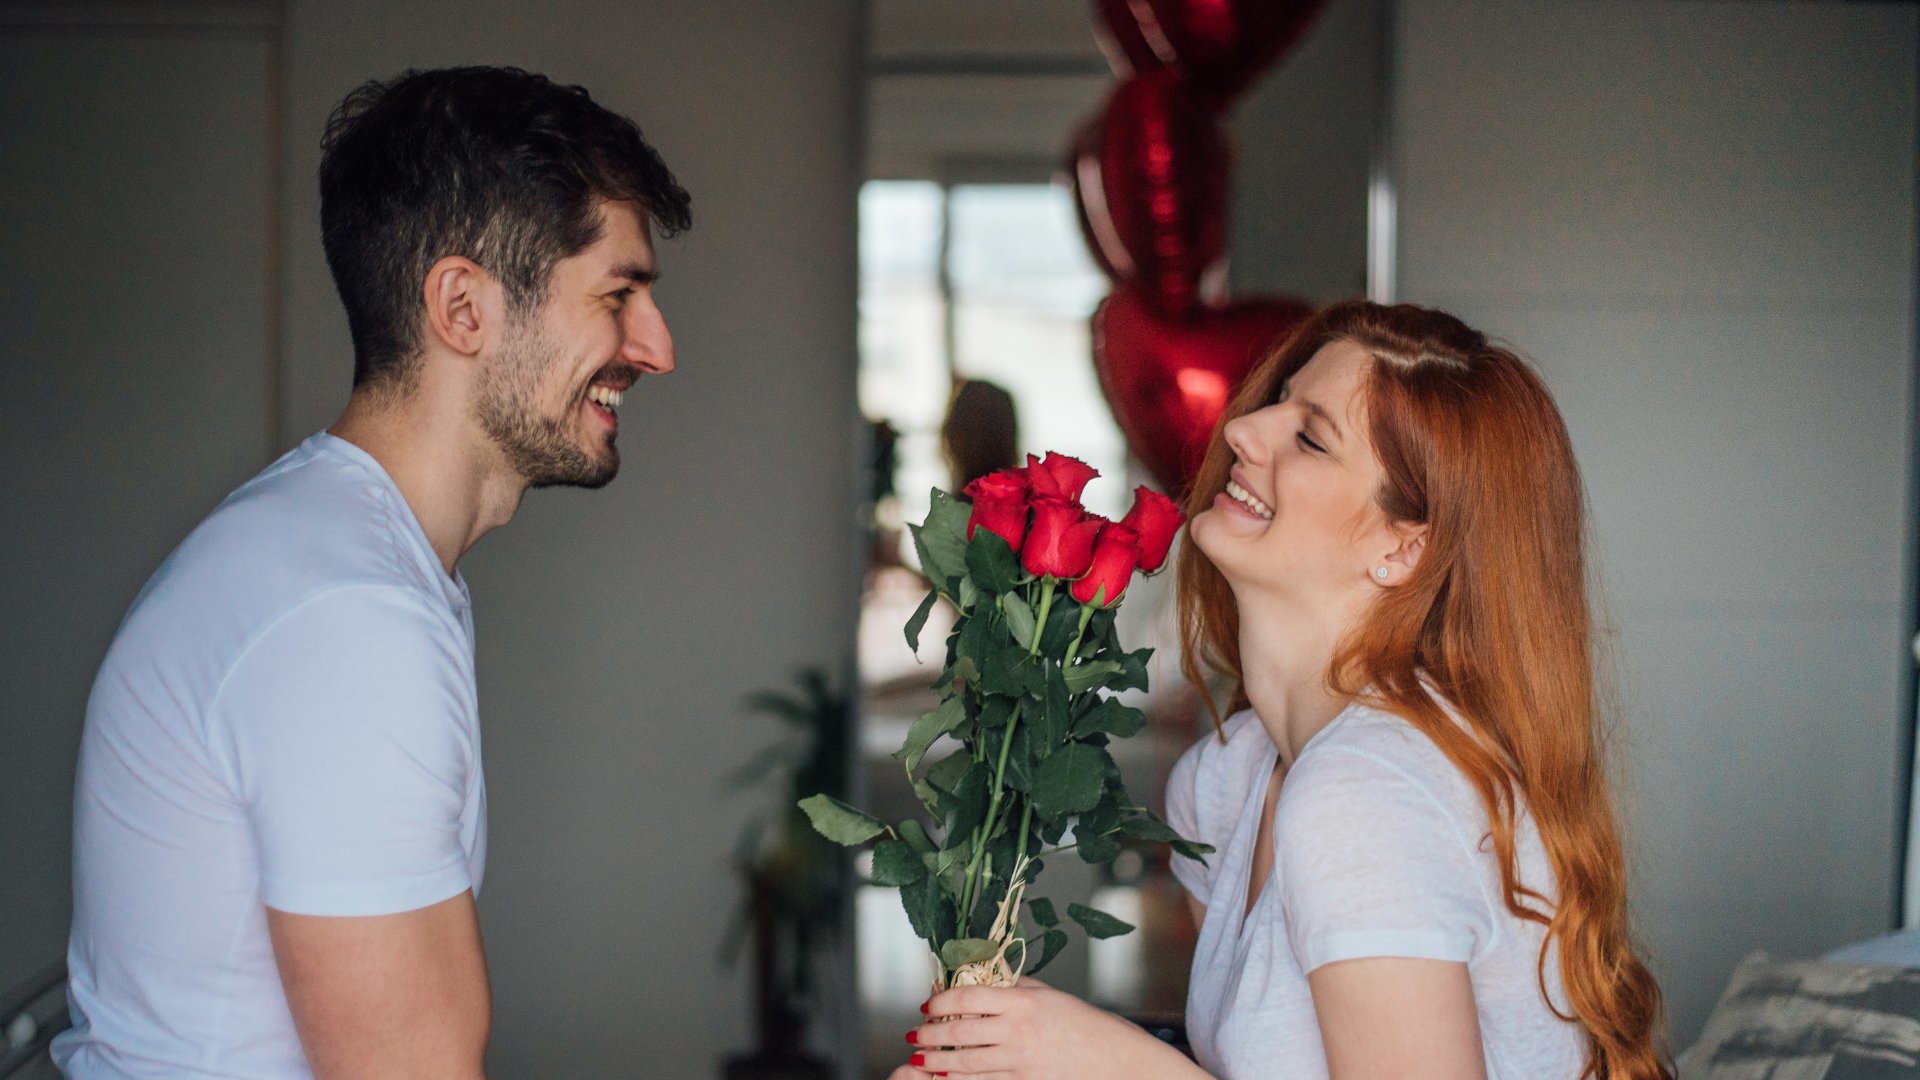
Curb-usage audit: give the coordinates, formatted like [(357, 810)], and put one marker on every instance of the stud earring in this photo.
[(1380, 572)]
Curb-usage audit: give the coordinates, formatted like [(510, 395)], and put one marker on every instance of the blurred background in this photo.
[(1697, 218)]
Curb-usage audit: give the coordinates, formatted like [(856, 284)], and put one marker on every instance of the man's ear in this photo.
[(457, 294)]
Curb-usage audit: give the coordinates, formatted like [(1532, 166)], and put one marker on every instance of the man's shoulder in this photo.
[(311, 524)]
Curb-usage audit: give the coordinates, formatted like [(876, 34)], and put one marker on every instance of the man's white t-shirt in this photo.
[(1378, 851), (286, 719)]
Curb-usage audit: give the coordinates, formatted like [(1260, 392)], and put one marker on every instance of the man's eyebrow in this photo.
[(637, 273)]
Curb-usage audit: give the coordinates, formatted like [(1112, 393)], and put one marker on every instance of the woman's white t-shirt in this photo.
[(1381, 848)]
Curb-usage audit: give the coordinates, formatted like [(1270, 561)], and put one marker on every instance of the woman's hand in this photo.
[(1033, 1032)]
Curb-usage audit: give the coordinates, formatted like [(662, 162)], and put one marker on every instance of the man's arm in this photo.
[(376, 996)]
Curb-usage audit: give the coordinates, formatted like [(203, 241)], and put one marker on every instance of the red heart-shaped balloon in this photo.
[(1150, 181), (1169, 380), (1220, 45)]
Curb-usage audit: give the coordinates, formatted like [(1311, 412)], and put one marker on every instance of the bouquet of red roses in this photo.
[(1035, 578)]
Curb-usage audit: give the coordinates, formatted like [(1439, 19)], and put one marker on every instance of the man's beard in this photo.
[(544, 450)]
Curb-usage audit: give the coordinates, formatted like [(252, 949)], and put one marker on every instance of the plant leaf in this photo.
[(1069, 781), (941, 540), (919, 620), (1019, 619), (928, 728), (1097, 923), (1096, 848), (839, 822), (968, 950), (929, 797), (1192, 849), (915, 835), (990, 562), (945, 774), (1051, 943), (895, 863), (1133, 670), (970, 798), (1083, 677), (928, 908), (1056, 713), (1005, 672), (1148, 827), (1111, 717), (1042, 911)]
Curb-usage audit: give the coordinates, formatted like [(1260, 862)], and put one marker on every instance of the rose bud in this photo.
[(1060, 541), (1115, 554), (1059, 476), (1156, 519), (1000, 503)]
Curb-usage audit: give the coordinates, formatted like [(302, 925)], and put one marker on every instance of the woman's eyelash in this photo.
[(1310, 444)]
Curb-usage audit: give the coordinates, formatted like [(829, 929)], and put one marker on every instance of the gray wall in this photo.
[(618, 630), (135, 375), (1699, 219)]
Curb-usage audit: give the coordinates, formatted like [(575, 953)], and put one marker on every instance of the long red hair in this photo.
[(1494, 619)]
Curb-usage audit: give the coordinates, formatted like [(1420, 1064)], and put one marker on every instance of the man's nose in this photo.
[(649, 344)]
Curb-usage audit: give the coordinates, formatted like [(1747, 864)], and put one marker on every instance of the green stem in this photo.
[(985, 829)]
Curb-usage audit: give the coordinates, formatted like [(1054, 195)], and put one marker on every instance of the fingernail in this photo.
[(917, 1060), (913, 1037), (923, 1006)]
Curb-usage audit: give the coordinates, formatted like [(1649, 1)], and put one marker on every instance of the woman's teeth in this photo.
[(1246, 499), (604, 395)]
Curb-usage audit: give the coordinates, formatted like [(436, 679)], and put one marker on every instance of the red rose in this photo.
[(1000, 503), (1156, 519), (1060, 543), (1115, 554), (1059, 476)]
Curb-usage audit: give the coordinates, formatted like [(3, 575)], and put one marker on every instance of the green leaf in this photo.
[(1133, 671), (1111, 717), (919, 620), (1005, 672), (969, 593), (1102, 819), (895, 863), (1020, 759), (1051, 943), (970, 800), (929, 908), (945, 774), (1019, 619), (995, 713), (1083, 677), (941, 540), (1192, 849), (1069, 781), (981, 632), (963, 951), (1063, 621), (915, 834), (929, 797), (990, 562), (1042, 911), (1097, 923), (1095, 848), (1148, 827), (928, 728), (1056, 713), (839, 822)]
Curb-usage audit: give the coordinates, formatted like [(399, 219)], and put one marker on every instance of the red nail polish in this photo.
[(913, 1037), (923, 1006), (917, 1060)]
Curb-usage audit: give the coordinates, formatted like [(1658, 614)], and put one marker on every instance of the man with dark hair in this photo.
[(280, 814)]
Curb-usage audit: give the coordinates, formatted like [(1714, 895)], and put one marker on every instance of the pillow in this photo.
[(1811, 1020)]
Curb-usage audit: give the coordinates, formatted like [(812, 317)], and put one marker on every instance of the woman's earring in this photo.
[(1380, 572)]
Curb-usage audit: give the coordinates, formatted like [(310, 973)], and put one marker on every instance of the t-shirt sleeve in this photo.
[(347, 730), (1372, 862)]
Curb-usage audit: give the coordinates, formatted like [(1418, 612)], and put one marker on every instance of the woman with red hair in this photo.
[(1418, 872)]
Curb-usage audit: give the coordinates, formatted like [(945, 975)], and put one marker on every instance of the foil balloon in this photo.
[(1220, 46), (1151, 185), (1168, 380)]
